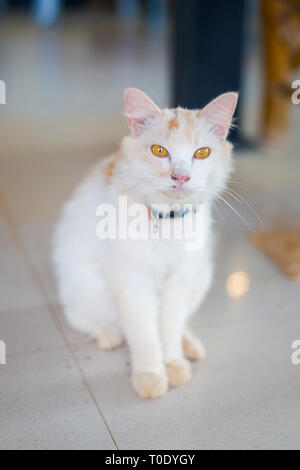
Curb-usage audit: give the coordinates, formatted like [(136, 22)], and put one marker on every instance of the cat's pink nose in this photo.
[(180, 179)]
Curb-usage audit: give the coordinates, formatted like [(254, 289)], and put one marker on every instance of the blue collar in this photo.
[(173, 214)]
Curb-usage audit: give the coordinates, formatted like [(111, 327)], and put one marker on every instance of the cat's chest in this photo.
[(160, 257)]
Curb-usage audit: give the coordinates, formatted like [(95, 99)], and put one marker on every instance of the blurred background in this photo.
[(65, 65)]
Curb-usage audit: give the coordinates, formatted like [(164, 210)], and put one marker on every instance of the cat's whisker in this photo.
[(232, 181), (218, 211), (213, 199), (236, 212), (242, 201)]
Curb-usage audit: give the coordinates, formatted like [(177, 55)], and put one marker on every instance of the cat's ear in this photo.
[(139, 109), (219, 113)]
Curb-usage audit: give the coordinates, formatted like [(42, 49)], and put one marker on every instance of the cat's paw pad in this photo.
[(179, 372), (150, 385), (194, 349), (110, 339)]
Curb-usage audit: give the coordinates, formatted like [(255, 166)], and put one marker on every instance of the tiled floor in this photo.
[(58, 390)]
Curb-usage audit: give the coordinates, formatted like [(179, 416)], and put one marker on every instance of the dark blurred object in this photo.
[(208, 50), (132, 10), (46, 12), (281, 40), (3, 6)]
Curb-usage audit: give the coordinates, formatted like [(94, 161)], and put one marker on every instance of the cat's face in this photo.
[(177, 155)]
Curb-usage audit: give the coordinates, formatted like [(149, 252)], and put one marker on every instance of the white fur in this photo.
[(143, 290)]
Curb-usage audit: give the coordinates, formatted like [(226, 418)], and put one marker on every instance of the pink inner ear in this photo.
[(139, 107), (219, 113)]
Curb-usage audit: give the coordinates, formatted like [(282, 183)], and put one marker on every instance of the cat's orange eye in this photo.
[(159, 151), (203, 152)]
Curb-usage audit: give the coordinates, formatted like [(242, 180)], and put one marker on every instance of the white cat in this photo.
[(144, 291)]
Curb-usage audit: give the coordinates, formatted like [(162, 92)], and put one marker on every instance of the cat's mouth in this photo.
[(177, 192)]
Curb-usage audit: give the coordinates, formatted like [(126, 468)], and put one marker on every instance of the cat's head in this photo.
[(176, 155)]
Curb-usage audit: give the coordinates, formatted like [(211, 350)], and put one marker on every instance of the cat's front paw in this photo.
[(193, 348), (150, 385), (179, 372), (110, 339)]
